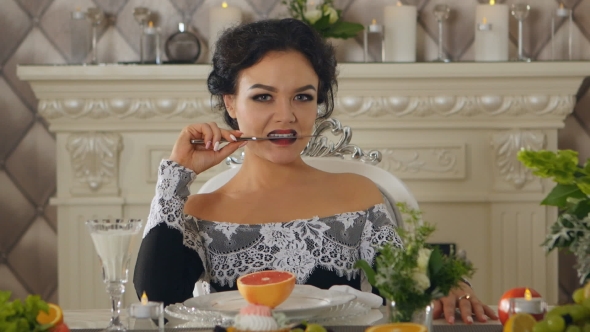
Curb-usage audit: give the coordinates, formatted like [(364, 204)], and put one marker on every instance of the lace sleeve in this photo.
[(171, 255)]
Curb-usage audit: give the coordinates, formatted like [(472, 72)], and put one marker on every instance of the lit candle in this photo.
[(145, 309), (400, 33), (562, 11), (221, 18), (374, 27), (491, 35), (528, 304)]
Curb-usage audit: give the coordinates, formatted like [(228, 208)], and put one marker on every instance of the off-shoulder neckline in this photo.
[(290, 221)]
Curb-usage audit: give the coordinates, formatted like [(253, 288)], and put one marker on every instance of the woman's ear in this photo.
[(230, 103)]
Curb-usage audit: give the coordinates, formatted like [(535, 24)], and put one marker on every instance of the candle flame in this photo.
[(144, 299), (374, 21), (561, 6), (484, 21), (151, 24), (492, 2), (399, 3), (527, 295), (224, 5)]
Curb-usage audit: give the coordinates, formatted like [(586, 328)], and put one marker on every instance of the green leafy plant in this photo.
[(416, 274), (571, 230), (17, 316), (324, 18)]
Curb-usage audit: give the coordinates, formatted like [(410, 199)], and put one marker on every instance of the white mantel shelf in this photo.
[(450, 131)]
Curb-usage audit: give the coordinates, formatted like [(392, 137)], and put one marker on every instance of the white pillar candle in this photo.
[(400, 33), (221, 18), (491, 32)]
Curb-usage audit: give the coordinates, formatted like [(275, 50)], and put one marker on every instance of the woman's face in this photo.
[(276, 97)]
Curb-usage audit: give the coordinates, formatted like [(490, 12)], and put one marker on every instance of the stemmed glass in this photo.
[(442, 13), (112, 241), (520, 11), (141, 15), (95, 16)]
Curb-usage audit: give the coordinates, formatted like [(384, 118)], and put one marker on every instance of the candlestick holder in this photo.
[(442, 13), (520, 11), (373, 29), (562, 13), (95, 16), (141, 15)]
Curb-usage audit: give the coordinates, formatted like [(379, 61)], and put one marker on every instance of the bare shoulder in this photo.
[(198, 202), (359, 189)]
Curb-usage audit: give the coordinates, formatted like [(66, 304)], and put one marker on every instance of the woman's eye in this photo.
[(304, 97), (264, 97)]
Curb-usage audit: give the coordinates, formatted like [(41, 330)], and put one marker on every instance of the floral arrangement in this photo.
[(324, 18), (416, 274), (21, 317), (571, 230)]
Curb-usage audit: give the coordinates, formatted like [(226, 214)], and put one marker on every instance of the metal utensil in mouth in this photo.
[(243, 139)]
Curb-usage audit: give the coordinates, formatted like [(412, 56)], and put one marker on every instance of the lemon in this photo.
[(520, 322)]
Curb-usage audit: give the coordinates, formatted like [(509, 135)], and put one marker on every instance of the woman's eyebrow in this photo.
[(273, 89)]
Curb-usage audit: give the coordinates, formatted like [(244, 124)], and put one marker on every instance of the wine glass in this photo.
[(141, 15), (442, 13), (112, 241), (95, 16), (520, 11)]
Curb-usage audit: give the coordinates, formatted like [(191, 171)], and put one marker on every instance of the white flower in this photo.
[(313, 15), (423, 258), (332, 13), (421, 280)]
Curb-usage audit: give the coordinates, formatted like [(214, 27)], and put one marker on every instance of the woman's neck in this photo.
[(257, 173)]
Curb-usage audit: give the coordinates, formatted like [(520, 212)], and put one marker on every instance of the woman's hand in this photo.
[(468, 304), (200, 157)]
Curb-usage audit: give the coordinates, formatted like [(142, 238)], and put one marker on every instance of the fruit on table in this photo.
[(62, 327), (520, 322), (269, 288), (504, 303), (52, 317), (569, 317)]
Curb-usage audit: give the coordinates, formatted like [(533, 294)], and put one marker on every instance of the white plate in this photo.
[(305, 302)]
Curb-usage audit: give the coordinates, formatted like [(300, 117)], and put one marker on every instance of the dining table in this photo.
[(94, 320)]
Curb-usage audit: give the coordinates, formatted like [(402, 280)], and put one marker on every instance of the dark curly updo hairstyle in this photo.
[(245, 45)]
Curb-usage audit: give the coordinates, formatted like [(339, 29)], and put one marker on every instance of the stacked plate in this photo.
[(305, 303)]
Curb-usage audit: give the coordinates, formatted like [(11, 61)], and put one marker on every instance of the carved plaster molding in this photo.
[(95, 161), (139, 108), (425, 162), (467, 106), (506, 145), (350, 106)]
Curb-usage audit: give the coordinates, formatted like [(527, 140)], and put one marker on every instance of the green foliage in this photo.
[(324, 18), (414, 275), (17, 316), (571, 230)]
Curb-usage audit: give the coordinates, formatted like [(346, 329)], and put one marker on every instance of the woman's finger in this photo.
[(477, 308), (216, 139), (465, 309), (449, 304), (436, 309), (490, 312)]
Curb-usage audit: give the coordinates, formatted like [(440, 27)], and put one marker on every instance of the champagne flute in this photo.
[(112, 241), (442, 13), (141, 15), (95, 16), (520, 11)]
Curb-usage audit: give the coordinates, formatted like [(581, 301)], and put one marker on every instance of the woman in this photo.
[(277, 212)]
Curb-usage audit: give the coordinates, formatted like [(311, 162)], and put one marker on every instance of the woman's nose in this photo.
[(285, 112)]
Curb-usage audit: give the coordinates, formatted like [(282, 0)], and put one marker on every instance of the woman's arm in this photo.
[(171, 255)]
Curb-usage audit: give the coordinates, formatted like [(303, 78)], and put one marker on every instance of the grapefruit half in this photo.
[(269, 288)]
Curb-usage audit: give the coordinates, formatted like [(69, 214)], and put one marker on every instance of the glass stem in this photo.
[(141, 43), (115, 290), (94, 37), (520, 55), (441, 55)]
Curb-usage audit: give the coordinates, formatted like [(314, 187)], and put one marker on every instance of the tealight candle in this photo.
[(533, 306), (141, 314), (562, 11)]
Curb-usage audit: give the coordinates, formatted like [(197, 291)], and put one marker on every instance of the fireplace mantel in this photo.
[(450, 131)]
